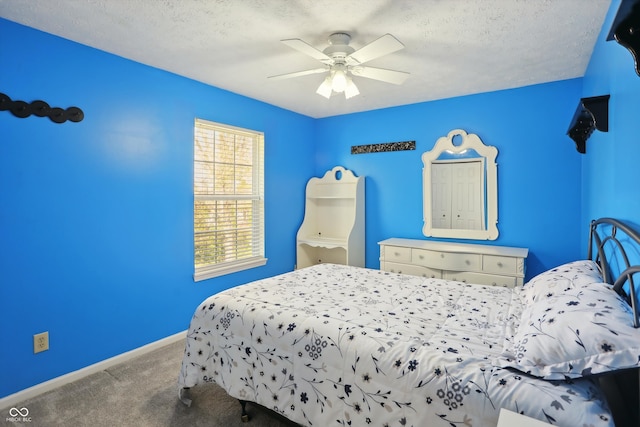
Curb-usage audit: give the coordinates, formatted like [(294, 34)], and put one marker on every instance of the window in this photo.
[(228, 187)]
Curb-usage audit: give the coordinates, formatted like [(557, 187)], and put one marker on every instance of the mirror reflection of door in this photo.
[(457, 191), (460, 188)]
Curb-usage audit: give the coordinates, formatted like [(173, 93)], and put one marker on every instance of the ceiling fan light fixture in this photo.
[(351, 90), (339, 81), (325, 88)]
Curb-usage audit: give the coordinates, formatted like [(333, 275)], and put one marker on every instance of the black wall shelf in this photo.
[(626, 29), (592, 113)]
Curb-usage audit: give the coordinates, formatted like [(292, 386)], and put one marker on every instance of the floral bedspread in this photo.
[(339, 345)]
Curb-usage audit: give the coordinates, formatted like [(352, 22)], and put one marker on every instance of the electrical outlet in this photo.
[(41, 342)]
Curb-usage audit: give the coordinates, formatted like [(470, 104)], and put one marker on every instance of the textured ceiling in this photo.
[(452, 47)]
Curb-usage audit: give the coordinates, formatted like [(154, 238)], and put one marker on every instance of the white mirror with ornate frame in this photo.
[(460, 188)]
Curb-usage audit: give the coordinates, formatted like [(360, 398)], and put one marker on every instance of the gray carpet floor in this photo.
[(142, 393)]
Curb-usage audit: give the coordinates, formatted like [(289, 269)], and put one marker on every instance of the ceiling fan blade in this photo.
[(307, 49), (299, 73), (382, 46), (389, 76)]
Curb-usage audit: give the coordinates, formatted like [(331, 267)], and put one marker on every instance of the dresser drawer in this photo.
[(425, 257), (447, 260), (480, 278), (411, 269), (499, 264), (396, 254)]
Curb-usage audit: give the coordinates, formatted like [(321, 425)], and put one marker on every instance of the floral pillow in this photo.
[(577, 334), (562, 279)]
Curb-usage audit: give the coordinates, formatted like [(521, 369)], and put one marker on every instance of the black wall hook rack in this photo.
[(592, 113), (23, 109)]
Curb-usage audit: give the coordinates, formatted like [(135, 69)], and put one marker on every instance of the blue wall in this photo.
[(610, 165), (96, 217), (538, 165)]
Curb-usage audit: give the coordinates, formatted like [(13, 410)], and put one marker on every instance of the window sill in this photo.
[(205, 273)]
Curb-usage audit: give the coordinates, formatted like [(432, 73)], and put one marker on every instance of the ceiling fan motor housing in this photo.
[(339, 48)]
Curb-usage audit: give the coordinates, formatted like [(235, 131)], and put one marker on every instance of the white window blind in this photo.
[(228, 189)]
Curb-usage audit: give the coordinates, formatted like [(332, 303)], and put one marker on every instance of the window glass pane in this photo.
[(203, 148), (244, 150), (225, 147), (203, 178), (224, 178), (243, 179)]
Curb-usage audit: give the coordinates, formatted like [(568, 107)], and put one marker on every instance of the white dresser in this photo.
[(470, 263)]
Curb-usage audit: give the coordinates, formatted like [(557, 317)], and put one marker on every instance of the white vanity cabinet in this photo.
[(470, 263), (333, 226)]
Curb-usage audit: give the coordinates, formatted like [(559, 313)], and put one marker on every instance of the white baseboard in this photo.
[(13, 399)]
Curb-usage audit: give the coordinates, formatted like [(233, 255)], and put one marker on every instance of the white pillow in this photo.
[(573, 275), (584, 331)]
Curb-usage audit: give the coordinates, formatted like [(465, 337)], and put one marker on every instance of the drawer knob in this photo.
[(500, 264), (466, 261), (396, 253), (421, 256), (441, 255)]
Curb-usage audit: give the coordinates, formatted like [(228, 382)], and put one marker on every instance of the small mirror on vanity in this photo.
[(460, 188)]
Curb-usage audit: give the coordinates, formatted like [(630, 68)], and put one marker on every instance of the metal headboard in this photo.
[(604, 231)]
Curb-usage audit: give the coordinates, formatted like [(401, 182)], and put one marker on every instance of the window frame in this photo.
[(257, 242)]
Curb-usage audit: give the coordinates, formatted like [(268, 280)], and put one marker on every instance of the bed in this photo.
[(340, 345)]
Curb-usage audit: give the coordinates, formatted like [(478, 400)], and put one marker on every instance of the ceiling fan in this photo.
[(342, 61)]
